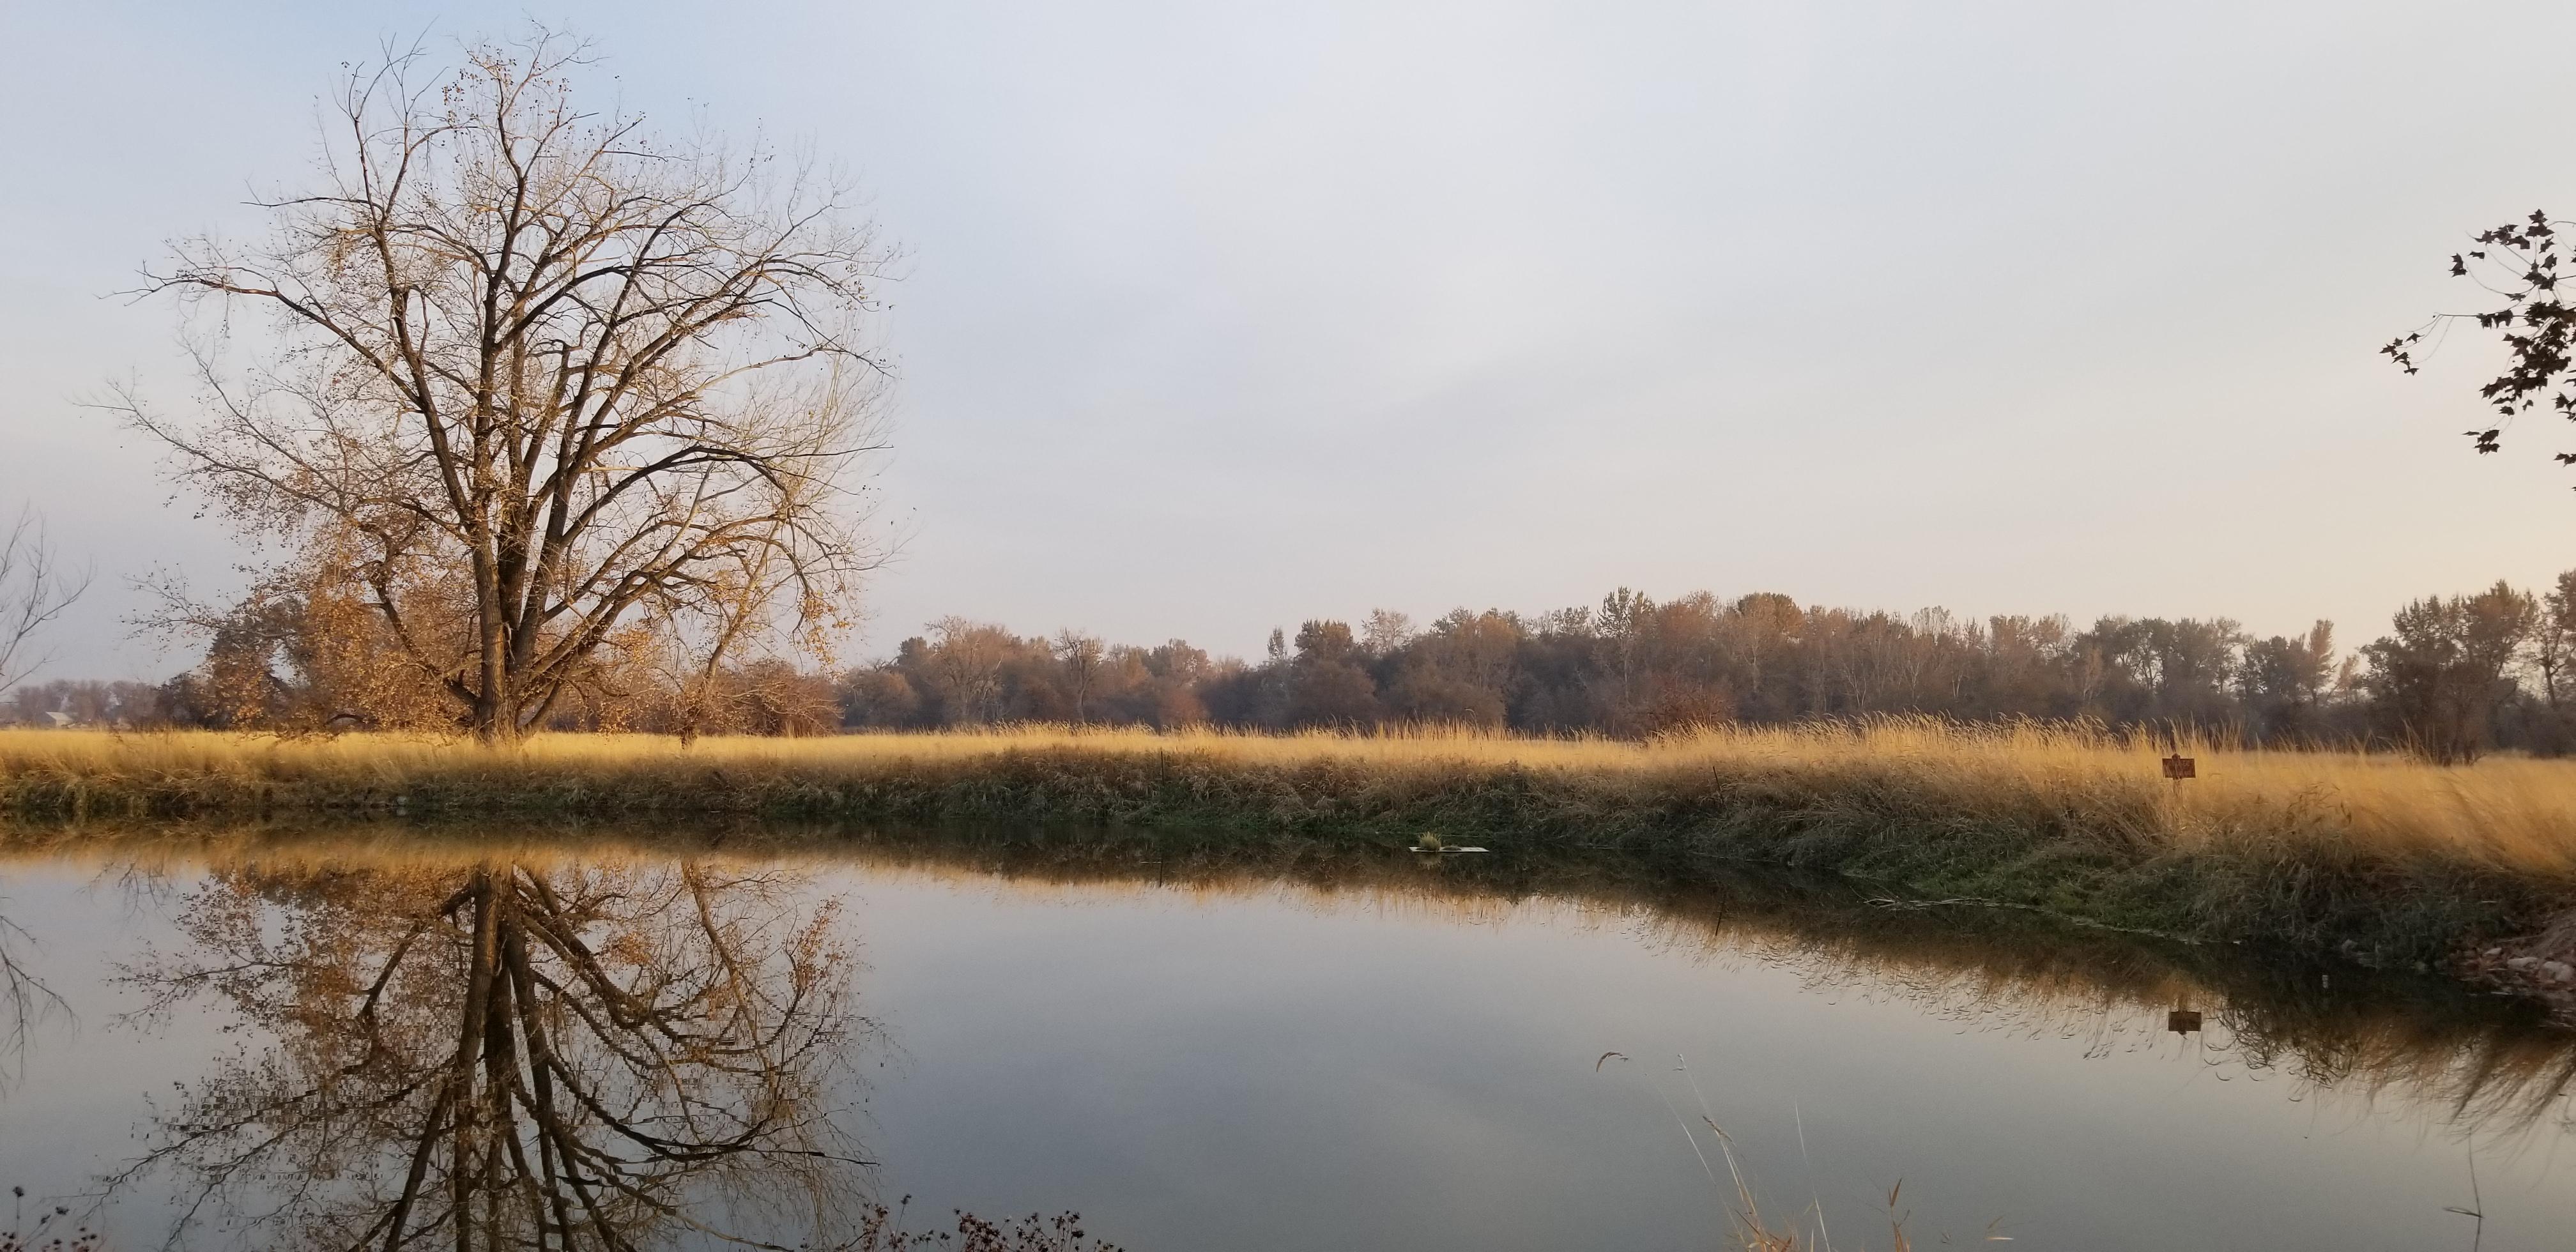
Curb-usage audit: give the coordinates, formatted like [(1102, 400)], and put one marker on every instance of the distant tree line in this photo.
[(2454, 677)]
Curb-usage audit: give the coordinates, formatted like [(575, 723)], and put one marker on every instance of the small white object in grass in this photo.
[(1431, 843)]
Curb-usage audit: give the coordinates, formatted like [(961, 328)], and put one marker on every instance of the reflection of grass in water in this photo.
[(2381, 856), (882, 1231), (47, 1234), (2486, 1068), (2482, 1066)]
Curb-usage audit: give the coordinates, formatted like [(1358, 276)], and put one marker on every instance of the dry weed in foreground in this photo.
[(1751, 1230)]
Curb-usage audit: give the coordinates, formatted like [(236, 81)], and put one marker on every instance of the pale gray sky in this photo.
[(1216, 317)]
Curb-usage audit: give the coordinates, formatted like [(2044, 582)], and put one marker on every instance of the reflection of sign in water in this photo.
[(2182, 1021), (2179, 767)]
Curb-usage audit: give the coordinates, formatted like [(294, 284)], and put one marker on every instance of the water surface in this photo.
[(1372, 1053)]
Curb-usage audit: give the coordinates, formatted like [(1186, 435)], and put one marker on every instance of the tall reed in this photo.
[(2379, 856)]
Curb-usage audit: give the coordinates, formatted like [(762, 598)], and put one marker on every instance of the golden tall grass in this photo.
[(2514, 815)]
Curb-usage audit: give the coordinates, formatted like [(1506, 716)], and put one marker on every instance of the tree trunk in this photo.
[(470, 1039), (496, 723)]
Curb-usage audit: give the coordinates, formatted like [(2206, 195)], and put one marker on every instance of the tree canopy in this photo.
[(2519, 264), (536, 382)]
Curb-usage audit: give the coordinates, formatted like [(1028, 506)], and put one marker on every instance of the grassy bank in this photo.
[(2377, 857)]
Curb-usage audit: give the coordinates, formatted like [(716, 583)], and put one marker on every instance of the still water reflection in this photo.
[(546, 1042), (503, 1053)]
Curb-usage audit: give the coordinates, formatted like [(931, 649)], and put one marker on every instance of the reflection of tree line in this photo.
[(514, 1051), (512, 1054), (2483, 1065), (2479, 1065)]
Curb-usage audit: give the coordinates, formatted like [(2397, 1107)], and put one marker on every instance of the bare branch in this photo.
[(34, 590), (537, 378)]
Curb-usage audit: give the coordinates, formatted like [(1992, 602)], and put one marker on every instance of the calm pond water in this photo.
[(251, 1046)]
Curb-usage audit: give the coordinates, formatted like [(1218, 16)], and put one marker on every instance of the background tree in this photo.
[(87, 702), (2461, 677), (2284, 682), (878, 695), (1169, 697), (1328, 684), (1461, 671), (965, 660), (2440, 678), (34, 590), (2553, 645), (549, 376), (303, 651), (1385, 632), (1082, 657)]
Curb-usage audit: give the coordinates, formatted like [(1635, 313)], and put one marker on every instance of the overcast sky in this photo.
[(1217, 317)]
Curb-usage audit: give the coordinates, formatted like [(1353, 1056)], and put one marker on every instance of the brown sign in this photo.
[(2182, 1021), (2180, 767)]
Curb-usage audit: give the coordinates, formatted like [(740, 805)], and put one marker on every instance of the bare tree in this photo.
[(966, 661), (2553, 643), (551, 377), (34, 590), (1082, 656), (1385, 632)]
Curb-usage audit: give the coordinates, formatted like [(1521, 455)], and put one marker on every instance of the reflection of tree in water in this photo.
[(24, 998), (2498, 1074), (19, 991), (515, 1054), (2494, 1071)]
